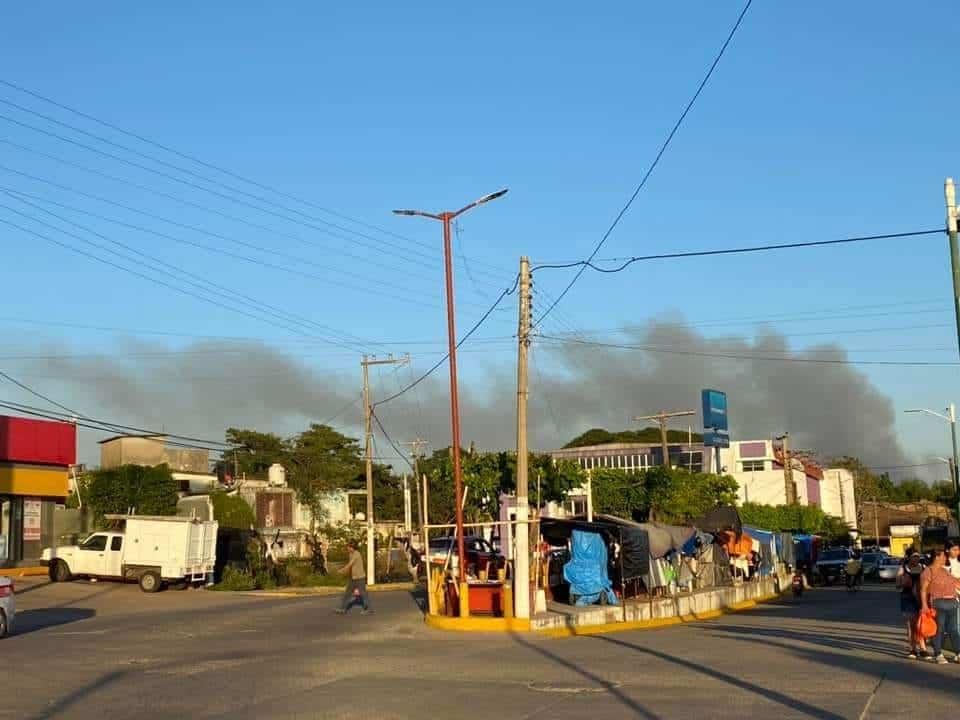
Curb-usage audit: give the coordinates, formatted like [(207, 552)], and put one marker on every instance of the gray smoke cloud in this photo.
[(830, 409)]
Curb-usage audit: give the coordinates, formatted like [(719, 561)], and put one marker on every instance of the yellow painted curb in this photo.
[(477, 624), (480, 624), (23, 571)]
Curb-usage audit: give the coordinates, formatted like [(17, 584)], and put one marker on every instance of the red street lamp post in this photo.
[(446, 218)]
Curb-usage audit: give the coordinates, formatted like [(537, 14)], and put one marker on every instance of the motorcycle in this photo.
[(797, 584)]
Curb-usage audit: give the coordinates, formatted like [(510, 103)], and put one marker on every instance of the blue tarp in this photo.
[(803, 545), (768, 550), (587, 569)]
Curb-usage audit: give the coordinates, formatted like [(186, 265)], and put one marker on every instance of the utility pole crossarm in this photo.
[(662, 418)]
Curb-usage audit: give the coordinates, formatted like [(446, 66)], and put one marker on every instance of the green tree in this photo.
[(255, 452), (792, 518), (618, 492), (599, 436), (146, 490)]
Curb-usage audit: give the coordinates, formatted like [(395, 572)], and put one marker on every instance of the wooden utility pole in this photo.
[(521, 595), (365, 364), (416, 450), (662, 419), (790, 489)]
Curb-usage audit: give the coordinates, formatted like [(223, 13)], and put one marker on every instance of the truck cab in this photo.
[(100, 555)]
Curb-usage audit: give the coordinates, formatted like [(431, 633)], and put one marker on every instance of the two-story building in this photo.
[(34, 459)]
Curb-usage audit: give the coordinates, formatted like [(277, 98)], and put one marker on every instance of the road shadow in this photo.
[(31, 587), (766, 693), (635, 708), (790, 636), (419, 595), (28, 621)]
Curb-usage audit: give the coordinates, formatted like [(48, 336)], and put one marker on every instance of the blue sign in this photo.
[(716, 438), (715, 410)]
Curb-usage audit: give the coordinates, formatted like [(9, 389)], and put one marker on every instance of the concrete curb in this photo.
[(482, 624), (322, 591)]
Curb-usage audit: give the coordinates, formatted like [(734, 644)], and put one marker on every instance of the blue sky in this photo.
[(823, 120)]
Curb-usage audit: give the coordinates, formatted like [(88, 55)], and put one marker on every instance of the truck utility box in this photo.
[(152, 550)]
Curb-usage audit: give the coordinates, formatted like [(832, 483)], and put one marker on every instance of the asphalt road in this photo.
[(87, 650)]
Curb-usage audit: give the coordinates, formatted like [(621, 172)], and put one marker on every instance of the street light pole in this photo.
[(446, 218), (950, 417)]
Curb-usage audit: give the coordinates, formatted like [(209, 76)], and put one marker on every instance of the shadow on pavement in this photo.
[(637, 709), (771, 695), (28, 621), (30, 588)]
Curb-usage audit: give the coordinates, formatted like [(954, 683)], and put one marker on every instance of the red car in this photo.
[(479, 553)]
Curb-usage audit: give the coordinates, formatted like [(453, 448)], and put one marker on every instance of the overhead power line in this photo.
[(36, 393), (105, 425), (390, 440), (734, 356), (471, 331), (201, 284), (656, 161), (733, 251), (203, 163)]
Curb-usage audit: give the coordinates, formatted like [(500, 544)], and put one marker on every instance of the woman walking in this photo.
[(908, 582), (938, 590)]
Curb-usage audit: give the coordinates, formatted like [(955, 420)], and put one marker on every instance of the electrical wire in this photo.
[(258, 262), (201, 284), (656, 160), (583, 264), (383, 430), (731, 356), (471, 331), (211, 166), (36, 393), (106, 425)]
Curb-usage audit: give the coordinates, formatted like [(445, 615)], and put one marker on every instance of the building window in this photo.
[(753, 465)]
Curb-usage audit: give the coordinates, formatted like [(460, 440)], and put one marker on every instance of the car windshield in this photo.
[(835, 555)]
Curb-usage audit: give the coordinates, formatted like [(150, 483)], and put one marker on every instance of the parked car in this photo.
[(832, 564), (479, 553), (888, 569), (7, 606), (152, 551), (870, 562)]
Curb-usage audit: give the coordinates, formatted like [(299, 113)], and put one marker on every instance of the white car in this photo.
[(888, 569), (7, 608)]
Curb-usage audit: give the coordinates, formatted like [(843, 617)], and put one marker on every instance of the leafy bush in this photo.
[(786, 518), (232, 511), (234, 579)]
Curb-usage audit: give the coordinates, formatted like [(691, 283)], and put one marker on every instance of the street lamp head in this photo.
[(404, 212), (492, 196)]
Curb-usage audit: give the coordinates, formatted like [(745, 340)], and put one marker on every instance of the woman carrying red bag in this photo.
[(938, 590), (908, 582)]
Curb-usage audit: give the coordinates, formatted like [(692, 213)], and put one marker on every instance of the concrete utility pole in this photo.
[(790, 489), (416, 450), (521, 595), (365, 364), (445, 219), (662, 419)]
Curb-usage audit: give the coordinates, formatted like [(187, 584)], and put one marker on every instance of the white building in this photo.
[(837, 496)]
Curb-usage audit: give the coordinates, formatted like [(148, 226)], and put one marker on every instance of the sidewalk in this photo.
[(19, 572)]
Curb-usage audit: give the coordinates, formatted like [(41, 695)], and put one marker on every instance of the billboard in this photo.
[(716, 430)]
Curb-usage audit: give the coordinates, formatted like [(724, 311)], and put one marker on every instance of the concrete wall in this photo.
[(698, 603)]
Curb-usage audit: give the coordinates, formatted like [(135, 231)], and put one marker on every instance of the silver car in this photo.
[(7, 608), (888, 568)]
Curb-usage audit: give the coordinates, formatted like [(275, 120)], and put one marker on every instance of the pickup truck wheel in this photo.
[(3, 624), (150, 582), (60, 572)]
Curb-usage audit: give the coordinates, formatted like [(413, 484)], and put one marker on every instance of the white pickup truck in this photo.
[(153, 550)]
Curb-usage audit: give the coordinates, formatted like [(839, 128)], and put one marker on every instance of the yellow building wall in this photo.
[(33, 480), (899, 545)]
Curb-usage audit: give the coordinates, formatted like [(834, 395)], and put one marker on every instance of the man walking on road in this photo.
[(356, 581)]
